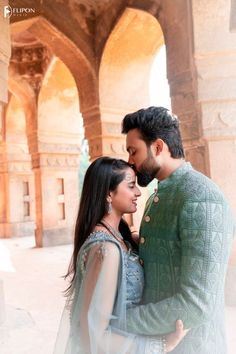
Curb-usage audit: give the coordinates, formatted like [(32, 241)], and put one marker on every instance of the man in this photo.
[(185, 238)]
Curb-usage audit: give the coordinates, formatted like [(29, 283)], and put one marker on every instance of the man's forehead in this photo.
[(133, 137), (134, 133)]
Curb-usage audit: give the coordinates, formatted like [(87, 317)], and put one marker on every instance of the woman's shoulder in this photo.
[(103, 248), (101, 238), (100, 235)]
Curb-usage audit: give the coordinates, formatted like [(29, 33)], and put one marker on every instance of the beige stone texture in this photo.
[(215, 55), (223, 167), (211, 23)]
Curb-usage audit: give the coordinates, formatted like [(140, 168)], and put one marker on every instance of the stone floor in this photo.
[(33, 286)]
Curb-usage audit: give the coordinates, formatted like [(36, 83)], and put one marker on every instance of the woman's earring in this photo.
[(109, 209)]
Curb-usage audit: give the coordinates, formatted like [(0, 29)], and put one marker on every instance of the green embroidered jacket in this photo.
[(185, 239)]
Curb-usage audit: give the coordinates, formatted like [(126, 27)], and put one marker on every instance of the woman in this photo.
[(106, 276)]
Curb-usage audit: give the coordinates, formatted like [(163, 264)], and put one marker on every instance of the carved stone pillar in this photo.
[(56, 183), (17, 202), (16, 180), (181, 72), (215, 61), (103, 132)]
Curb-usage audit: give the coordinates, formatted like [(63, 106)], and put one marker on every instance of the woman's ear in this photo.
[(158, 146), (109, 198)]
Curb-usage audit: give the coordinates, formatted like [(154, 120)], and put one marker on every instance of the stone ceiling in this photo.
[(86, 23)]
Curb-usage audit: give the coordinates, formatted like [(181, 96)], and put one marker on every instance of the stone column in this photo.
[(17, 211), (215, 61), (177, 24), (103, 132), (56, 184), (17, 202)]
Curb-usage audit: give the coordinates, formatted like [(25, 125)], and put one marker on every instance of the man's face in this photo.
[(141, 157)]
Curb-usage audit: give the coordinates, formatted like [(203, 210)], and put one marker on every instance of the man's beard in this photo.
[(148, 171)]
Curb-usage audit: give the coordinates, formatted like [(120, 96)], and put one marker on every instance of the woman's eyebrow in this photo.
[(131, 181)]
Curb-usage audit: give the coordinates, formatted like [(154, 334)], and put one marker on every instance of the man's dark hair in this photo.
[(154, 123)]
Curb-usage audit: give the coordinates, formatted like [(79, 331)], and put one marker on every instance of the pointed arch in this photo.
[(81, 65), (58, 104), (126, 61)]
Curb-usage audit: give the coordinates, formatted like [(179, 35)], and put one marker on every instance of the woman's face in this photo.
[(124, 198)]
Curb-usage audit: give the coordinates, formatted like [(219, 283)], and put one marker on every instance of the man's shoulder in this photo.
[(198, 177), (196, 185)]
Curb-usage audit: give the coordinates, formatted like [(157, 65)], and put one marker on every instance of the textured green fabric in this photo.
[(185, 253)]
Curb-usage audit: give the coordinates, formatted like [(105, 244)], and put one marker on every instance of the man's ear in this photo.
[(158, 146)]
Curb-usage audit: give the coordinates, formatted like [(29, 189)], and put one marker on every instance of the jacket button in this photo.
[(142, 240), (156, 199), (147, 218)]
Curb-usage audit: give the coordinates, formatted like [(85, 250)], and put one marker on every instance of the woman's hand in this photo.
[(173, 339)]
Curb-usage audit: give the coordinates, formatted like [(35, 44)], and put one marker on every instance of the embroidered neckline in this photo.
[(96, 234)]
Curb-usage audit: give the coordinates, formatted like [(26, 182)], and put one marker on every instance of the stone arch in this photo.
[(58, 135), (83, 69), (124, 77), (177, 26), (124, 72), (58, 105), (81, 65), (25, 93), (45, 157), (54, 154), (126, 60)]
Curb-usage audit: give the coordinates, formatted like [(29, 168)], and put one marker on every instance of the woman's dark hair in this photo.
[(154, 123), (103, 175)]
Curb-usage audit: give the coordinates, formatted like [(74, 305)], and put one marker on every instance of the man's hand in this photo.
[(173, 339)]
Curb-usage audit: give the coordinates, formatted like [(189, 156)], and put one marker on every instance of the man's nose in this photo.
[(130, 160)]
